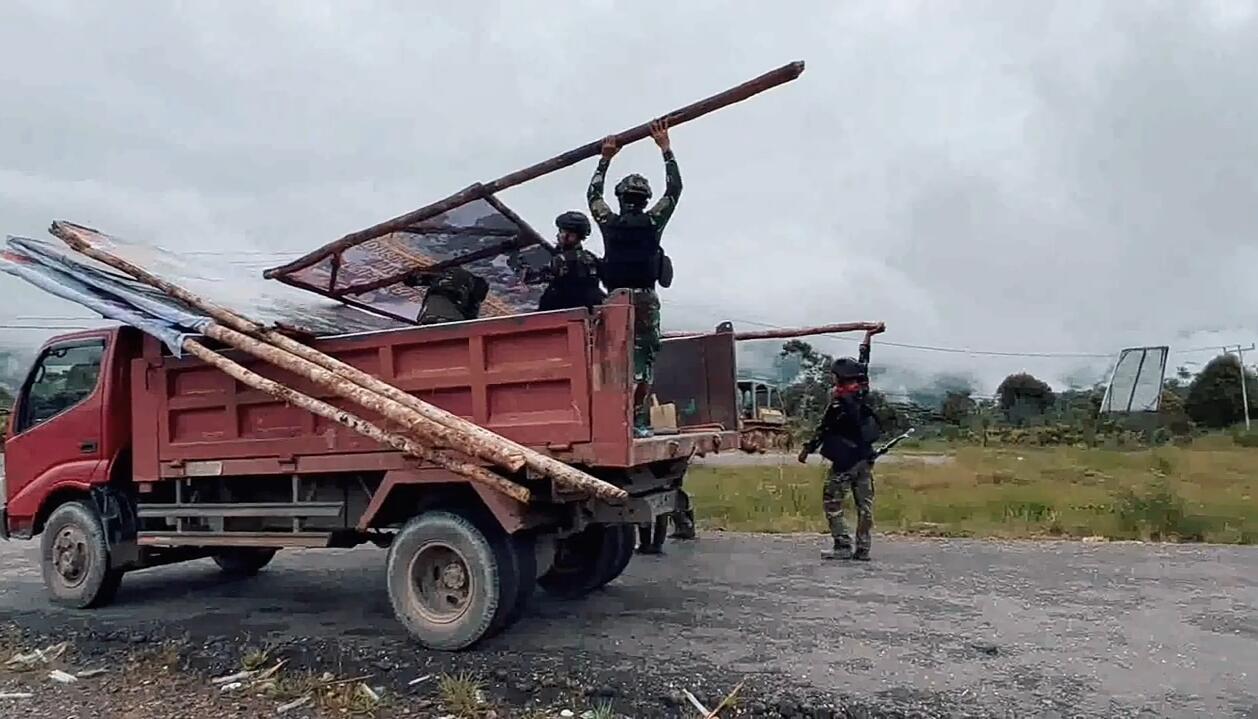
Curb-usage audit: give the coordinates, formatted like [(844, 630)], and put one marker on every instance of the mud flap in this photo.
[(118, 517)]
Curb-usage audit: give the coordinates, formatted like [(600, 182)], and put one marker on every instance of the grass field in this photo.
[(1205, 493)]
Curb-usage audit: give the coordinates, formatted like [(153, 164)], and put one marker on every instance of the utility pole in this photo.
[(1240, 361)]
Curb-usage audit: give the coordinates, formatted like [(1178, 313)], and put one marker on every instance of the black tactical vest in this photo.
[(574, 284), (631, 252)]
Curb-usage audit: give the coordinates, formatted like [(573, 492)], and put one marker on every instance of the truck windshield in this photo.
[(64, 376)]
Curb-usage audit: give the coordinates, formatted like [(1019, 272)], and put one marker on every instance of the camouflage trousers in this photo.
[(646, 344), (860, 480), (646, 334)]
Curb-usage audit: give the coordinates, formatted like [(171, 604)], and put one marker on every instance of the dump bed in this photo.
[(557, 381)]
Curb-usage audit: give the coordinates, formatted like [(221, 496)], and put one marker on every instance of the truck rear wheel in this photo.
[(523, 549), (583, 562), (243, 561), (75, 558), (446, 581), (624, 547)]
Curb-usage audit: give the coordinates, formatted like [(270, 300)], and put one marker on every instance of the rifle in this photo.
[(889, 445)]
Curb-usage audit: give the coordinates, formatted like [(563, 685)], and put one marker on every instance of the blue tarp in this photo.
[(111, 295)]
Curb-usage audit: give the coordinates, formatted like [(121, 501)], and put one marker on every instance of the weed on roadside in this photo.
[(461, 695)]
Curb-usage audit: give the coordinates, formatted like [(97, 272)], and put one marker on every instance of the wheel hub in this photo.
[(441, 585), (70, 556)]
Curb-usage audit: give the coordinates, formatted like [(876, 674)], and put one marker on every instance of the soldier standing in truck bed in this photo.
[(573, 275), (453, 295), (633, 258)]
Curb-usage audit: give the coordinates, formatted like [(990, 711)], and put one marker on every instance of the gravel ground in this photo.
[(930, 628)]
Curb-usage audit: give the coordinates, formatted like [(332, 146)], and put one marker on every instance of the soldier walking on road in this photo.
[(574, 274), (846, 436), (633, 258)]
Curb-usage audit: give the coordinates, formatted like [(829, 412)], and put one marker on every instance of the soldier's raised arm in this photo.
[(663, 209), (869, 336), (599, 208)]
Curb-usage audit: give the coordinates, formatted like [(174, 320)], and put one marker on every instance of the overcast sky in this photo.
[(1010, 176)]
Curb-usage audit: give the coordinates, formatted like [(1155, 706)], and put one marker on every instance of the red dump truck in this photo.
[(120, 456)]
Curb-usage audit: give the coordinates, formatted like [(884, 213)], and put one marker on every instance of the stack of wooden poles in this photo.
[(427, 432)]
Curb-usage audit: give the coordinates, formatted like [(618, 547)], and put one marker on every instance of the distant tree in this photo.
[(1214, 397), (893, 419), (808, 395), (1023, 397), (1173, 415), (958, 407)]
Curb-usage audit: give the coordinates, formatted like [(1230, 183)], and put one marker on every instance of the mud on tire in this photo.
[(74, 557), (447, 580)]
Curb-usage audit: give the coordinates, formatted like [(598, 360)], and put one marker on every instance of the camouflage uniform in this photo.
[(860, 480), (634, 260), (453, 295), (845, 436)]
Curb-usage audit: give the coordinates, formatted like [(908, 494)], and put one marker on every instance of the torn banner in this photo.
[(111, 295)]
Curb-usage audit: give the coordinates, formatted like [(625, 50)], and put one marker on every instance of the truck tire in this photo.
[(625, 546), (524, 554), (582, 562), (446, 580), (75, 558), (243, 561)]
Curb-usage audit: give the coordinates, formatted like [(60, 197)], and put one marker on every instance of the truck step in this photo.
[(234, 539), (255, 509)]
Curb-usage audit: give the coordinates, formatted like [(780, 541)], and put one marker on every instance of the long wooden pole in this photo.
[(782, 333), (76, 237), (451, 461), (422, 427), (769, 80)]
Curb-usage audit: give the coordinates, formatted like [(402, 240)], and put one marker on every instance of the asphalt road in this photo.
[(957, 627)]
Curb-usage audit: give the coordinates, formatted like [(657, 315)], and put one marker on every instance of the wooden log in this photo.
[(769, 80), (561, 473), (781, 333), (418, 424), (76, 237), (448, 460)]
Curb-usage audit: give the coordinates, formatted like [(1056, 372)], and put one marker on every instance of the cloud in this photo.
[(992, 175)]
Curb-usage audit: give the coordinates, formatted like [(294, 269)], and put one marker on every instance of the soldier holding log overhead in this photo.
[(453, 295), (633, 259)]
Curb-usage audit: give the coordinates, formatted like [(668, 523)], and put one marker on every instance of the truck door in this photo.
[(55, 437)]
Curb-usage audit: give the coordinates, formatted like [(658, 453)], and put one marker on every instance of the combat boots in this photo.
[(838, 551)]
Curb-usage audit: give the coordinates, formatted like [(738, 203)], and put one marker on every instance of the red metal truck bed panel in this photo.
[(526, 377)]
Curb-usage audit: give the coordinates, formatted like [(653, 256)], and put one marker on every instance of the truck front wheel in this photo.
[(243, 561), (75, 558), (444, 580)]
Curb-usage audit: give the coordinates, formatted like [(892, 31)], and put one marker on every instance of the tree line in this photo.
[(1208, 400)]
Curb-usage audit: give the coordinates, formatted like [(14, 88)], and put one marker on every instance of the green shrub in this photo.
[(1246, 439)]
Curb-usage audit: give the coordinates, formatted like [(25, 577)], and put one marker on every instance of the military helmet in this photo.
[(846, 368), (573, 222), (633, 185)]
